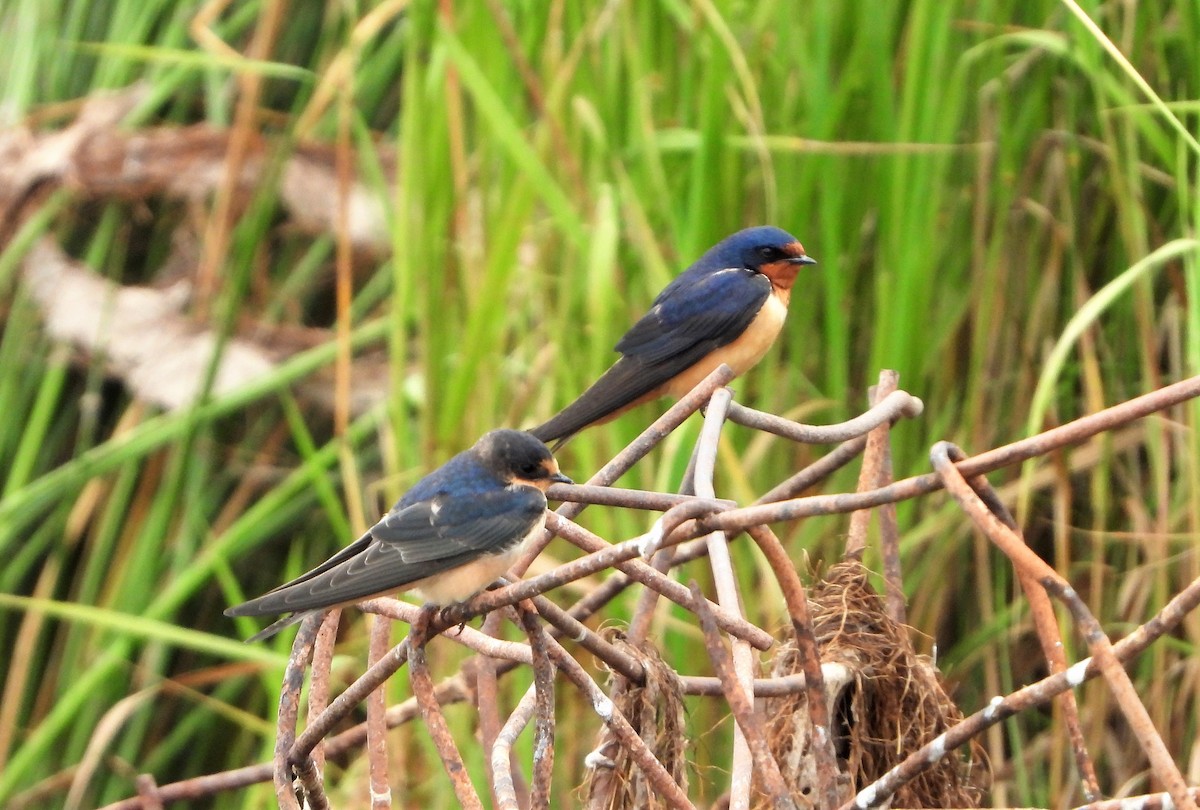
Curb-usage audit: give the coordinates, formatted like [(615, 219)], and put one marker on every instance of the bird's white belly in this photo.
[(463, 582), (741, 354)]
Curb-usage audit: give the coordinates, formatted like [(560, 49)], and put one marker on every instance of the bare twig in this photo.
[(889, 530), (1050, 638), (543, 683), (487, 700), (896, 405), (742, 706), (148, 793), (869, 477), (816, 472), (727, 591), (624, 498), (503, 780), (796, 599), (318, 690), (289, 709), (1153, 801), (763, 687), (435, 721), (377, 759)]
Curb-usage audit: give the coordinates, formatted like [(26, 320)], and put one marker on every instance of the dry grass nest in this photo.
[(885, 701)]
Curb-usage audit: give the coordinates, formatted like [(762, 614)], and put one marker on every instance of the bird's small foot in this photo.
[(450, 616)]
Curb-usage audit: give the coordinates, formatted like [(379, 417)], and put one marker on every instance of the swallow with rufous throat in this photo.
[(728, 307)]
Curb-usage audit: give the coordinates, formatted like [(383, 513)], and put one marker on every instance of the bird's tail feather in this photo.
[(275, 627), (621, 387)]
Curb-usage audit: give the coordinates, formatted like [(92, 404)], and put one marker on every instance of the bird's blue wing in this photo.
[(693, 316), (699, 312), (414, 542), (450, 525)]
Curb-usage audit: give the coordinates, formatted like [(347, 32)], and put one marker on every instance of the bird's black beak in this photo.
[(802, 260), (559, 478)]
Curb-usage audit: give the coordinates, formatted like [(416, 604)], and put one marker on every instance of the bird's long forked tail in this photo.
[(280, 624), (623, 386)]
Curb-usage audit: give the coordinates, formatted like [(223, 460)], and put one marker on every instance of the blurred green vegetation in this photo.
[(970, 176)]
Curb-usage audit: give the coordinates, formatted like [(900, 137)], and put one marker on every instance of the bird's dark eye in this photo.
[(532, 471), (768, 253)]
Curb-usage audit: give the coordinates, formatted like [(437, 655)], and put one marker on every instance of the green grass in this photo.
[(1001, 210)]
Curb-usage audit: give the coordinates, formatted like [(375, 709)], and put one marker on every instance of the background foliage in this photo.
[(970, 176)]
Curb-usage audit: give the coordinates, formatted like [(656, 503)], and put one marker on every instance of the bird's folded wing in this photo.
[(691, 319), (447, 526), (418, 541)]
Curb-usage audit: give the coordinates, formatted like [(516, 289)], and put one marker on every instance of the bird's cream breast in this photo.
[(742, 353), (463, 582)]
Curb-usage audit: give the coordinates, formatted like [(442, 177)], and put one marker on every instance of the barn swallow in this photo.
[(454, 533), (728, 307)]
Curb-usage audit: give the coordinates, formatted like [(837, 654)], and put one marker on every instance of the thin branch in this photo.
[(897, 405), (289, 709), (435, 721), (728, 597), (377, 759), (503, 777), (796, 599), (487, 700), (543, 683), (742, 706), (322, 658)]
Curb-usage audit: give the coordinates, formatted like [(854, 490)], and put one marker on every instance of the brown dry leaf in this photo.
[(141, 332), (160, 353), (148, 342), (96, 158)]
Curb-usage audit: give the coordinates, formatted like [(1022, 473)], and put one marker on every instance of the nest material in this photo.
[(656, 712), (885, 700)]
